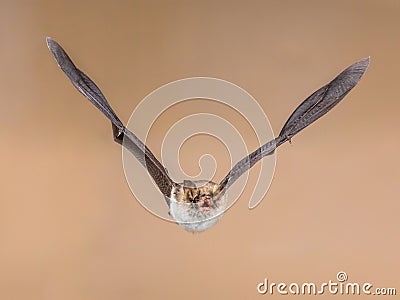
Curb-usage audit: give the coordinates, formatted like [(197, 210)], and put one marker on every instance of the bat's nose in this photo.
[(206, 199)]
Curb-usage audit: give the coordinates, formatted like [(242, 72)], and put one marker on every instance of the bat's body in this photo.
[(194, 205), (197, 206)]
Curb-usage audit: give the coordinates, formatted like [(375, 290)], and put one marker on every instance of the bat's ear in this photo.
[(189, 183), (189, 192)]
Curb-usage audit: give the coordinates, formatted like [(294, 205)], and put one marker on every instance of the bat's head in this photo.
[(198, 205), (202, 195)]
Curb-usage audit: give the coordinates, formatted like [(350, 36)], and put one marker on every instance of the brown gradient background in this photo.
[(69, 225)]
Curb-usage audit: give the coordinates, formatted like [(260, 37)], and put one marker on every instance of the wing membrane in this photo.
[(310, 110), (121, 134)]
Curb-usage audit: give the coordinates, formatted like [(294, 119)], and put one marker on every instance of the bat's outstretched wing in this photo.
[(121, 134), (311, 109)]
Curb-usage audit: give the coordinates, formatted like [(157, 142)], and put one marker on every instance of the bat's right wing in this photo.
[(121, 134)]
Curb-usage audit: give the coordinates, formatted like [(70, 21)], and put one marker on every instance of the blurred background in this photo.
[(70, 227)]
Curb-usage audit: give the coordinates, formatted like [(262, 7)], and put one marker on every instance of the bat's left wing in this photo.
[(310, 110)]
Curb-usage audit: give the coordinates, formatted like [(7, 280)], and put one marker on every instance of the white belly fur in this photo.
[(193, 219)]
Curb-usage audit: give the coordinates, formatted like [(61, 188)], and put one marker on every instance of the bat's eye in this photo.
[(195, 199)]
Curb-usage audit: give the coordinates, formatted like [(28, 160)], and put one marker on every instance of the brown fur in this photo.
[(187, 194)]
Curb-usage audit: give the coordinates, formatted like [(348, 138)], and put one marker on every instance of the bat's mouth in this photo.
[(205, 203)]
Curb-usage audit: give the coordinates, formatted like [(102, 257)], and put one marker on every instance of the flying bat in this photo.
[(198, 205)]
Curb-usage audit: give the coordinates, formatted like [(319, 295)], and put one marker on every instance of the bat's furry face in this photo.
[(197, 206)]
